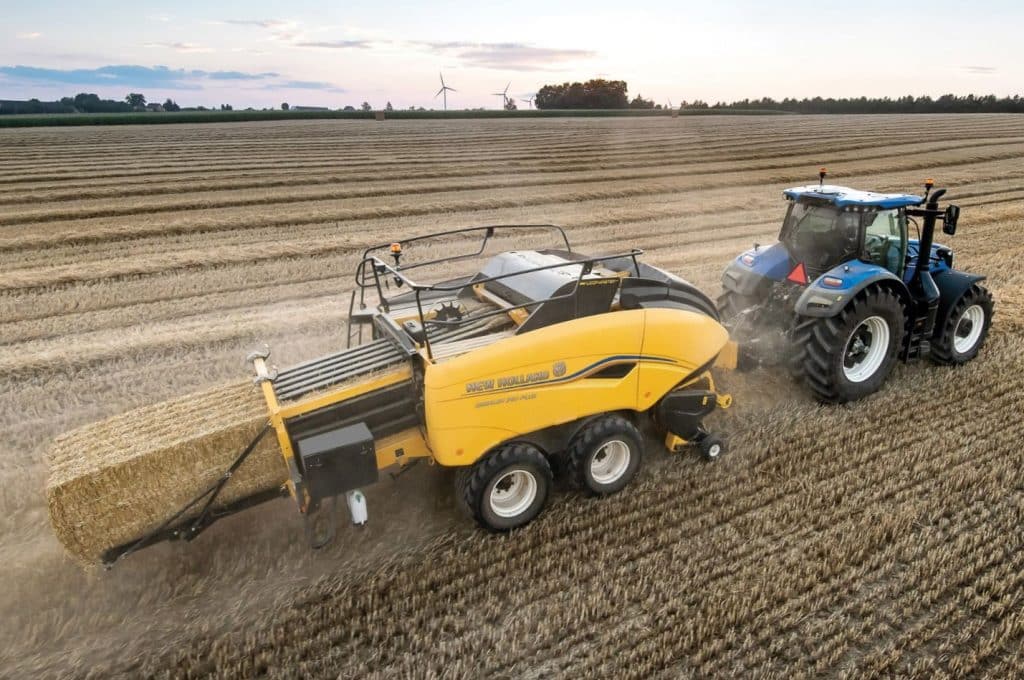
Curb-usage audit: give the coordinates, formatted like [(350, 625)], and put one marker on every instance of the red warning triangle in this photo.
[(798, 275)]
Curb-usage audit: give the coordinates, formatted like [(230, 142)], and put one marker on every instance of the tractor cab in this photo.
[(828, 225)]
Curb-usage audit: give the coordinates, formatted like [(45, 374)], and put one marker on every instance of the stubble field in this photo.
[(141, 263)]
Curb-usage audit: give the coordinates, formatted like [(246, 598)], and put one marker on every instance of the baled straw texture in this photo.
[(113, 481)]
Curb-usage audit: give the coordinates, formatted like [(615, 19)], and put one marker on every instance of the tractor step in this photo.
[(916, 347)]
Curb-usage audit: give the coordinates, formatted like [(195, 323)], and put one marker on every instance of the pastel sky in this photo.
[(260, 53)]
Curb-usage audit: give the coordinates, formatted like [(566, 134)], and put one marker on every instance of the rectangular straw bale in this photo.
[(113, 481)]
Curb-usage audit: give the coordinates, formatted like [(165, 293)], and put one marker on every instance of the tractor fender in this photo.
[(741, 280), (821, 301), (952, 285), (754, 270)]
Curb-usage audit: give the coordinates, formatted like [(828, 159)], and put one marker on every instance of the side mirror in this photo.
[(949, 219)]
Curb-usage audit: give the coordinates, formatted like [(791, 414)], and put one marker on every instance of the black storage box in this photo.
[(337, 461)]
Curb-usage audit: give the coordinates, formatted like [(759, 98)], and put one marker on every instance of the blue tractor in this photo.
[(846, 292)]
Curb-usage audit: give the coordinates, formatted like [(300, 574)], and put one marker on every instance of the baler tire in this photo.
[(460, 479), (712, 448), (494, 468), (824, 342), (609, 430), (943, 347)]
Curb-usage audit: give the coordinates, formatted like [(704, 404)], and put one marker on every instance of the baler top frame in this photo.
[(373, 272)]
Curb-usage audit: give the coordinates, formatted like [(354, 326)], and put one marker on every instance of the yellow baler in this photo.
[(539, 359)]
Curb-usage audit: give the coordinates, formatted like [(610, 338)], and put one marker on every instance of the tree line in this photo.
[(612, 94), (597, 93), (947, 103), (86, 102)]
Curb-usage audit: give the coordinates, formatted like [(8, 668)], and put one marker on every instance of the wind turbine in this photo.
[(444, 90), (503, 95), (530, 100)]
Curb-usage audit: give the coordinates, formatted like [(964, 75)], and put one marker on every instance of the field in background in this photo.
[(139, 263), (151, 118)]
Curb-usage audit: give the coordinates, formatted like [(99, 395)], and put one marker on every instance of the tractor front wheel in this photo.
[(961, 337), (849, 356), (507, 488)]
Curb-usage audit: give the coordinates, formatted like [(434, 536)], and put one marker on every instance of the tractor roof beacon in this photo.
[(846, 291)]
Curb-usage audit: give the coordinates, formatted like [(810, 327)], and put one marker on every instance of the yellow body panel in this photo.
[(729, 357), (693, 340), (540, 379), (409, 442)]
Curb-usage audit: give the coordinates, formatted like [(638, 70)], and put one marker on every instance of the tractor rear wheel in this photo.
[(849, 356), (605, 455), (507, 488), (961, 337), (730, 304)]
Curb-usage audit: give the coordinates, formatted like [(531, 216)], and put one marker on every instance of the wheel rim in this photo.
[(968, 329), (513, 493), (714, 450), (866, 349), (610, 462)]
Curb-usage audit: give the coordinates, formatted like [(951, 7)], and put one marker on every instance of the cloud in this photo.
[(238, 75), (180, 46), (338, 44), (306, 85), (129, 76), (29, 36), (507, 55), (980, 70), (440, 46), (280, 29), (260, 23)]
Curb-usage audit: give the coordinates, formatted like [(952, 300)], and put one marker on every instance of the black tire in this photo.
[(712, 448), (322, 523), (478, 485), (944, 349), (801, 334), (730, 304), (610, 435), (826, 346)]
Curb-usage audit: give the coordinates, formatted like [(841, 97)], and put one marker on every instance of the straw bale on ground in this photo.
[(112, 481)]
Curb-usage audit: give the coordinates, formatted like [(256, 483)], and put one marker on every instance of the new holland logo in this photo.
[(558, 369)]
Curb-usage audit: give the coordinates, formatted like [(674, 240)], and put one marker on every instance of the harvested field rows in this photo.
[(141, 263)]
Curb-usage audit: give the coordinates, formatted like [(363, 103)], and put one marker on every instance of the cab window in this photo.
[(885, 240), (822, 236)]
